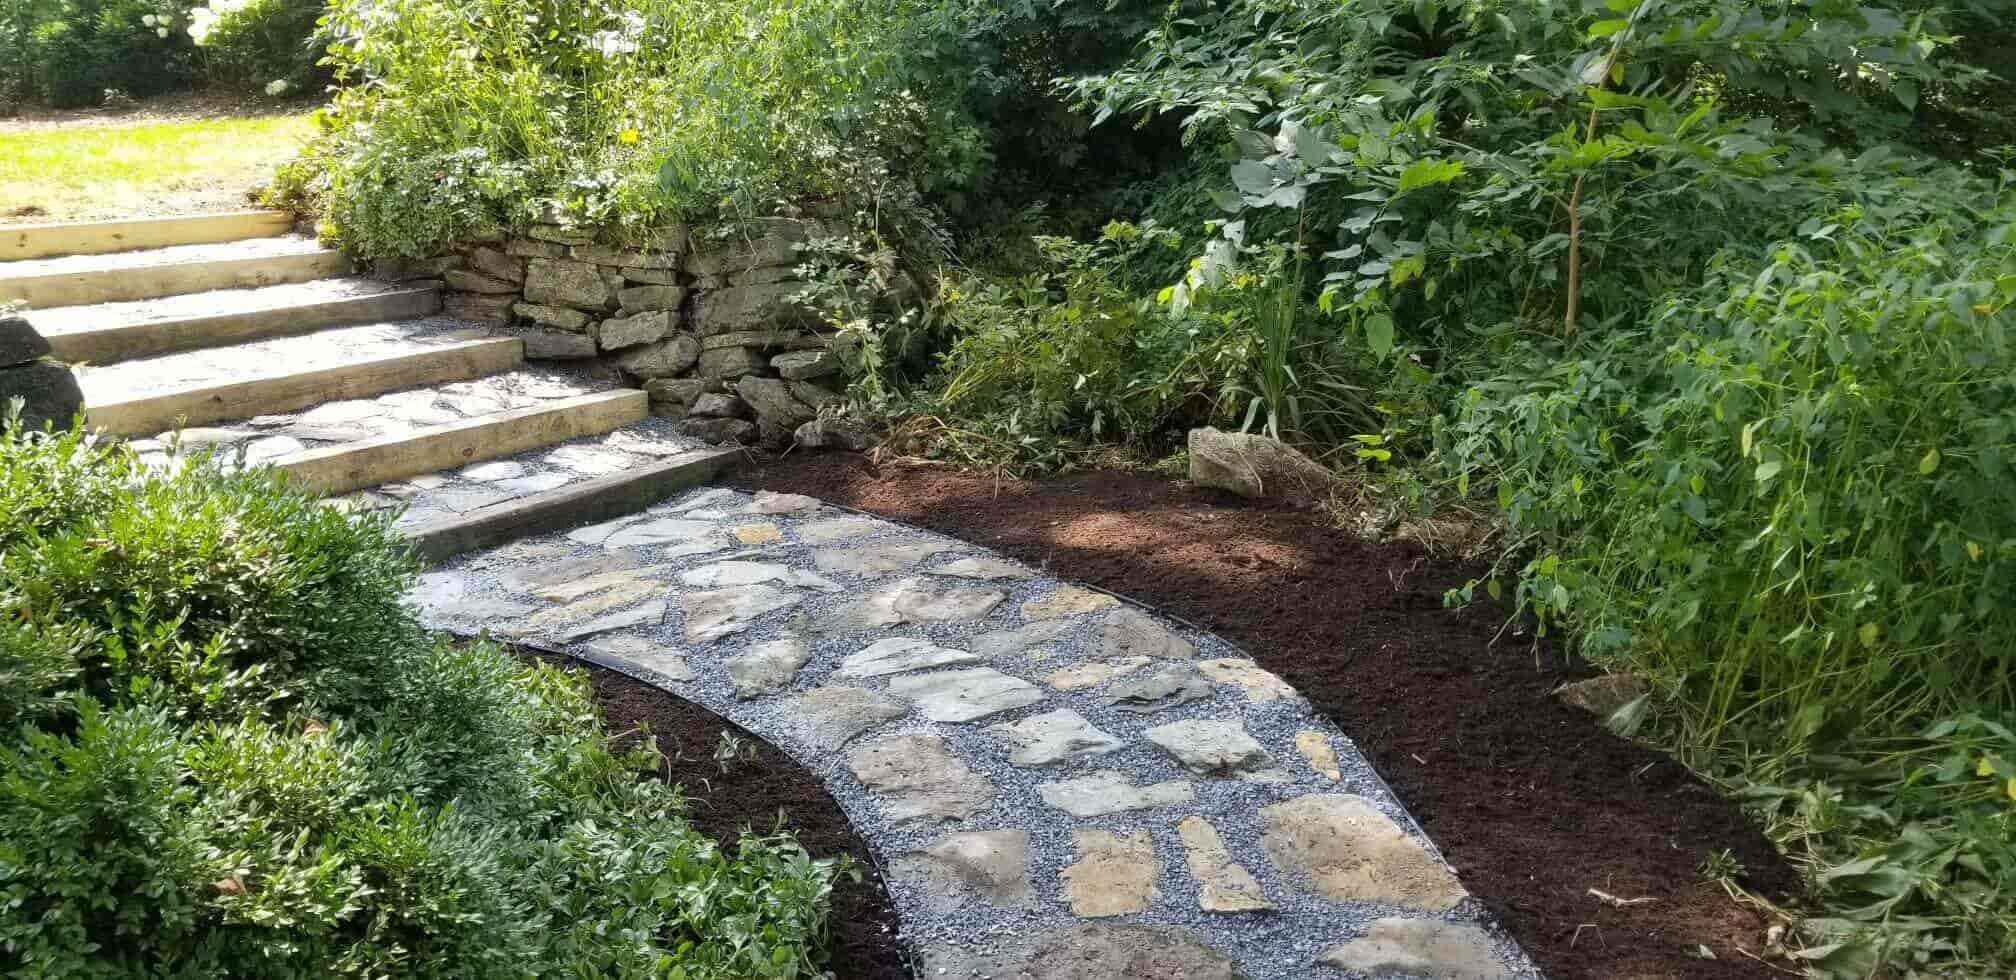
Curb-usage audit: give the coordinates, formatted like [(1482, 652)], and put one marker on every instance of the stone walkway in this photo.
[(1060, 785)]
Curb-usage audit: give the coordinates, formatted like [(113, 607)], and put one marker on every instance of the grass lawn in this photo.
[(83, 173)]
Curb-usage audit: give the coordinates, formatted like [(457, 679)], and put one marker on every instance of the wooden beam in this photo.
[(47, 241)]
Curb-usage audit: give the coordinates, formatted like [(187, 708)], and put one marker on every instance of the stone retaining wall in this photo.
[(713, 327)]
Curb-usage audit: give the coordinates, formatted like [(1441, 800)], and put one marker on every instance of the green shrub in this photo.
[(231, 750), (72, 53), (259, 45)]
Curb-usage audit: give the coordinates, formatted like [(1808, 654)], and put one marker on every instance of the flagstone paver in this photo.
[(1061, 785)]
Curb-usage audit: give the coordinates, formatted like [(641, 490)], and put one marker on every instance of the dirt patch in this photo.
[(758, 785), (1532, 801), (173, 107)]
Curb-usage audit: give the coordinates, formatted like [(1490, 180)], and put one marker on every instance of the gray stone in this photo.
[(19, 342), (664, 530), (1209, 747), (896, 655), (1260, 685), (1008, 643), (648, 614), (735, 362), (773, 402), (1425, 949), (1108, 791), (1603, 696), (837, 529), (767, 668), (983, 568), (769, 502), (1256, 466), (718, 406), (497, 263), (557, 345), (476, 282), (561, 235), (682, 391), (637, 299), (731, 573), (763, 340), (49, 394), (1316, 749), (1088, 951), (1093, 673), (1165, 687), (1114, 873), (562, 282), (527, 248), (713, 615), (590, 460), (642, 653), (626, 578), (914, 601), (1056, 736), (534, 483), (671, 356), (1224, 885), (832, 716), (1068, 600), (990, 866), (720, 431), (767, 242), (1348, 851), (607, 255), (804, 365), (1129, 632), (619, 332), (491, 308), (964, 695), (502, 469), (652, 277), (875, 560), (557, 317), (449, 595), (818, 397), (848, 435), (919, 779), (756, 307)]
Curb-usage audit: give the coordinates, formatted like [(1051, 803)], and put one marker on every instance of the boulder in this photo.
[(740, 308), (19, 342), (718, 431), (731, 363), (804, 365), (619, 332), (48, 393), (681, 391), (557, 345), (718, 405), (497, 263), (1255, 466), (1603, 696), (563, 282), (479, 307), (638, 299), (557, 317), (774, 403), (477, 282), (850, 435), (671, 357)]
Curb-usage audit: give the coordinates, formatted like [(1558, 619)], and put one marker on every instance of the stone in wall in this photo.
[(741, 308), (733, 362), (48, 392), (565, 282), (557, 345), (557, 317), (619, 332), (667, 358), (496, 263), (478, 307), (641, 299)]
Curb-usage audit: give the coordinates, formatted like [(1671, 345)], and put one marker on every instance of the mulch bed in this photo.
[(1532, 801), (759, 784)]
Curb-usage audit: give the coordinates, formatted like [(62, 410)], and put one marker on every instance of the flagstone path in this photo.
[(1059, 784)]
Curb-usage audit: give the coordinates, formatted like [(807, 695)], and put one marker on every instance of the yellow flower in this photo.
[(629, 135)]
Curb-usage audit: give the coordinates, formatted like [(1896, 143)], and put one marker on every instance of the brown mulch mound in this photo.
[(1532, 801), (758, 785)]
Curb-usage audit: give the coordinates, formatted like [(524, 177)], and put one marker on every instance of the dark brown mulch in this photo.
[(759, 784), (1532, 801)]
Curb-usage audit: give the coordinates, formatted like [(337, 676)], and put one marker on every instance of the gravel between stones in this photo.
[(1290, 941)]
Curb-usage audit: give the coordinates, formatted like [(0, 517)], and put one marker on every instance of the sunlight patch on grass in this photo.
[(157, 168)]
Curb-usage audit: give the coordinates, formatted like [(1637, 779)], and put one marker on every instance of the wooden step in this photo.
[(127, 276), (100, 237), (113, 332), (146, 412), (353, 466)]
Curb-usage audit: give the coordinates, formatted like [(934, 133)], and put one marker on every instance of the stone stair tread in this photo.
[(247, 248), (62, 320), (277, 357)]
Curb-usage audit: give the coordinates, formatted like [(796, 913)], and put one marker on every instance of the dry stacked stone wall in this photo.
[(715, 328)]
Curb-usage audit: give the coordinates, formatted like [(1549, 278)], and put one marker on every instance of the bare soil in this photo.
[(1533, 801)]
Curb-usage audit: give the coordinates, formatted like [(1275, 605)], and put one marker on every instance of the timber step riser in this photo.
[(462, 361), (50, 241), (127, 342), (120, 285)]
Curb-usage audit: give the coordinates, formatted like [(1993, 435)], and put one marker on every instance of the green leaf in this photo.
[(1253, 177), (1605, 28), (1765, 471), (1379, 333), (1929, 462), (1425, 172)]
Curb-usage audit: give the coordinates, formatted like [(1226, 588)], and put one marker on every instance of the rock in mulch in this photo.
[(1256, 466)]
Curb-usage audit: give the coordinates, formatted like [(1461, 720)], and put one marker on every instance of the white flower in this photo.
[(147, 19), (276, 87), (161, 32)]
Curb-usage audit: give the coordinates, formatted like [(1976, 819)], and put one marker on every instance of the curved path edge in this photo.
[(1057, 782)]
